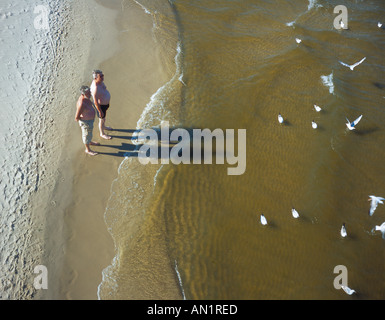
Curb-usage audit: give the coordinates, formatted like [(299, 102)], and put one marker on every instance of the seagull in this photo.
[(280, 119), (295, 213), (352, 125), (353, 65), (343, 231), (263, 220), (348, 290), (317, 108), (375, 201), (379, 25), (298, 40), (314, 125), (382, 229)]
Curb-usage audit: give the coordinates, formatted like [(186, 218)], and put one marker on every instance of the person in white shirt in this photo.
[(102, 99)]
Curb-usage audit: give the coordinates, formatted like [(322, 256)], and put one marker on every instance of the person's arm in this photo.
[(78, 111), (95, 95)]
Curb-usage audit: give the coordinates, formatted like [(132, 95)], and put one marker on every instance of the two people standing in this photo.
[(86, 110)]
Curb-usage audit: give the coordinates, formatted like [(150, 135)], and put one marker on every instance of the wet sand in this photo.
[(132, 75)]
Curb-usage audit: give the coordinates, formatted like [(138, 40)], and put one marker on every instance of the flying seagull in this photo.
[(352, 125), (348, 290), (314, 125), (263, 220), (295, 213), (353, 65), (374, 202), (317, 108), (382, 229), (343, 231), (280, 119)]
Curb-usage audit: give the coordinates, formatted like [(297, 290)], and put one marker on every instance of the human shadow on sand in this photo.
[(123, 149), (132, 148)]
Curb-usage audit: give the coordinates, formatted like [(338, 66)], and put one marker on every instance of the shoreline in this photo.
[(65, 210), (143, 253), (132, 75), (142, 267)]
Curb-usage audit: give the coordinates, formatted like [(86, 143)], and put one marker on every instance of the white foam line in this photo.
[(181, 79), (180, 280), (153, 101), (143, 7), (105, 274), (312, 4), (156, 175)]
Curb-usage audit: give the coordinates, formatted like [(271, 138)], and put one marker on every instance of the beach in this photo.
[(65, 229), (89, 243), (108, 227), (88, 246), (70, 170)]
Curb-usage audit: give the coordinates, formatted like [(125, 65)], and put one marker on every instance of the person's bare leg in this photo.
[(89, 151), (104, 125), (101, 129)]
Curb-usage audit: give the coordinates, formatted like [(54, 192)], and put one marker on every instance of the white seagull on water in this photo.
[(295, 213), (352, 125), (379, 25), (280, 118), (374, 202), (343, 231), (298, 40), (348, 290), (351, 67), (314, 125), (317, 108), (382, 229), (263, 220)]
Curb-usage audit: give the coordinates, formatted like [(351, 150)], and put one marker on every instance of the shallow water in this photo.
[(237, 66)]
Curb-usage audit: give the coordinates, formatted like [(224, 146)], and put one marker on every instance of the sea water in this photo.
[(196, 229)]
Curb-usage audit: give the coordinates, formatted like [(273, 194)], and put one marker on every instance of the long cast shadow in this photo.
[(124, 150), (379, 85), (163, 148), (124, 130), (366, 131)]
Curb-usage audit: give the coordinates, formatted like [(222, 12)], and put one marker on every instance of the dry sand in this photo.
[(63, 63), (132, 75), (62, 227), (75, 57)]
